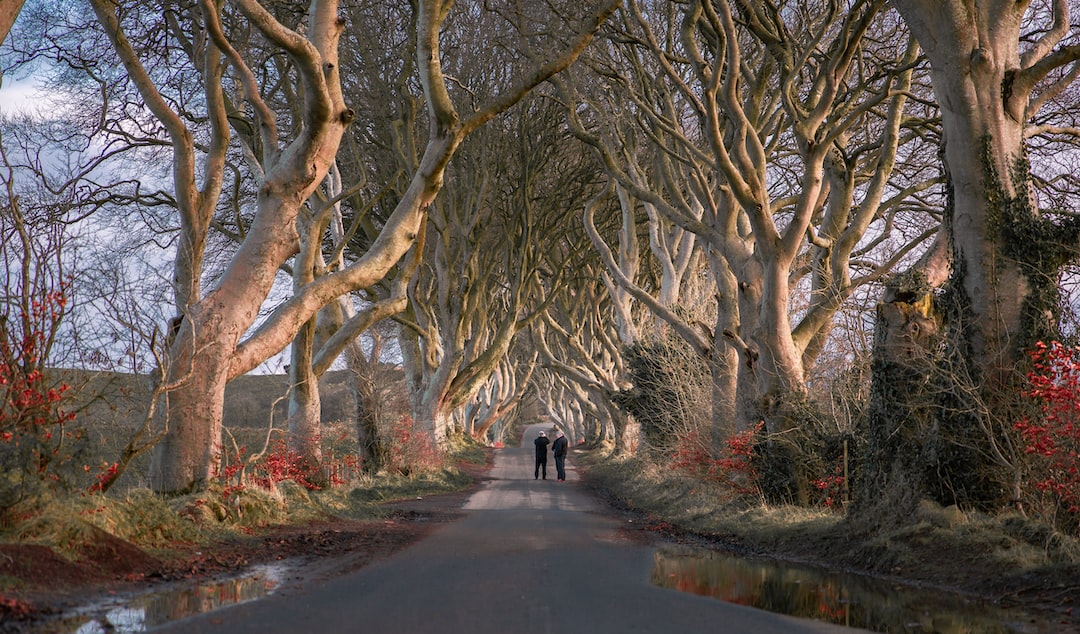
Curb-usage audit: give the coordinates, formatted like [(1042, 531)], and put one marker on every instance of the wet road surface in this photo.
[(529, 556)]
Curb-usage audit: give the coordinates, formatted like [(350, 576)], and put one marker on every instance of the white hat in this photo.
[(542, 434)]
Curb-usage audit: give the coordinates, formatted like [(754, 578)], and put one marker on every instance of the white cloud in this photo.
[(18, 95)]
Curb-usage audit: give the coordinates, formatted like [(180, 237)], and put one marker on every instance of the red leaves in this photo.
[(109, 473), (412, 449), (32, 419), (734, 469), (1053, 440), (832, 487), (13, 608), (282, 463)]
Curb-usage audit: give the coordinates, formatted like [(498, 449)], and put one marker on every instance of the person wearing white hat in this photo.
[(541, 443)]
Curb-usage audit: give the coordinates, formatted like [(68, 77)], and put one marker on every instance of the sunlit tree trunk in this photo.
[(207, 350), (629, 259), (994, 65), (986, 87)]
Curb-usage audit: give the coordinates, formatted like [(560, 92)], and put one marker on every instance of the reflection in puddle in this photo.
[(849, 600), (143, 612)]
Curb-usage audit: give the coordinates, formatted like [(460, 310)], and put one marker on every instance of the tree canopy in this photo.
[(554, 203)]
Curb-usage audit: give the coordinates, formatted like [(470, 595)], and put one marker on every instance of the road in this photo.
[(529, 556)]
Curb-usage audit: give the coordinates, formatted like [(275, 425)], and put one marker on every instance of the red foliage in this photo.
[(832, 487), (104, 479), (1053, 440), (734, 469), (14, 608), (32, 418), (284, 463), (412, 449)]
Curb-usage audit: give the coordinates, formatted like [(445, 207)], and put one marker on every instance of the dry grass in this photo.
[(66, 523), (109, 411), (702, 506), (940, 546)]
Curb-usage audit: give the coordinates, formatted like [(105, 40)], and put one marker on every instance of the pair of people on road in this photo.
[(558, 449)]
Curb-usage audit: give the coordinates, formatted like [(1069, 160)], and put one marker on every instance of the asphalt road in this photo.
[(529, 556)]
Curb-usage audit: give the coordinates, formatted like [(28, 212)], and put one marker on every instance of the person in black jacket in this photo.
[(541, 443), (558, 449)]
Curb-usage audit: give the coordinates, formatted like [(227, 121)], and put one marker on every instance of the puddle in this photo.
[(142, 612), (843, 599)]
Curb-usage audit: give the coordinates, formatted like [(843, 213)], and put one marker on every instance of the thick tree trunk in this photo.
[(364, 372), (1000, 296), (973, 49), (201, 357), (189, 453), (898, 437), (780, 382), (305, 407), (9, 10), (724, 364)]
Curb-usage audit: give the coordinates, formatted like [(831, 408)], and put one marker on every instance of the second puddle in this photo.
[(849, 600)]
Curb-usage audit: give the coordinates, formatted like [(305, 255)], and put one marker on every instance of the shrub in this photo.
[(670, 396), (1052, 441), (243, 476), (412, 450), (35, 440), (734, 470)]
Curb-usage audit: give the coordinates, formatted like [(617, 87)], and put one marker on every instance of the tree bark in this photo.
[(984, 87), (305, 407), (9, 10), (208, 350), (1005, 257)]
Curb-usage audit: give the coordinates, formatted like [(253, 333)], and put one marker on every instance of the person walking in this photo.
[(558, 449), (541, 443)]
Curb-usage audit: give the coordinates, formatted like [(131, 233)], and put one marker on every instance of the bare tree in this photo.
[(499, 397), (37, 440), (956, 326), (496, 258), (762, 132), (212, 343), (995, 66), (582, 366)]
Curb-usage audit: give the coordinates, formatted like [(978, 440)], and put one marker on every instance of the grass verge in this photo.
[(941, 547), (67, 524)]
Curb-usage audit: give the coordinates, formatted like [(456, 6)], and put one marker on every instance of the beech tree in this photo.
[(213, 338), (497, 400), (995, 65), (496, 257), (1001, 73), (581, 360), (764, 131)]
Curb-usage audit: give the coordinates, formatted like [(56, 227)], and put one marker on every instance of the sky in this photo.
[(16, 95), (21, 95)]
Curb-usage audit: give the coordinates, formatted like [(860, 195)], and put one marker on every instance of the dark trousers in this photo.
[(560, 466), (541, 463)]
